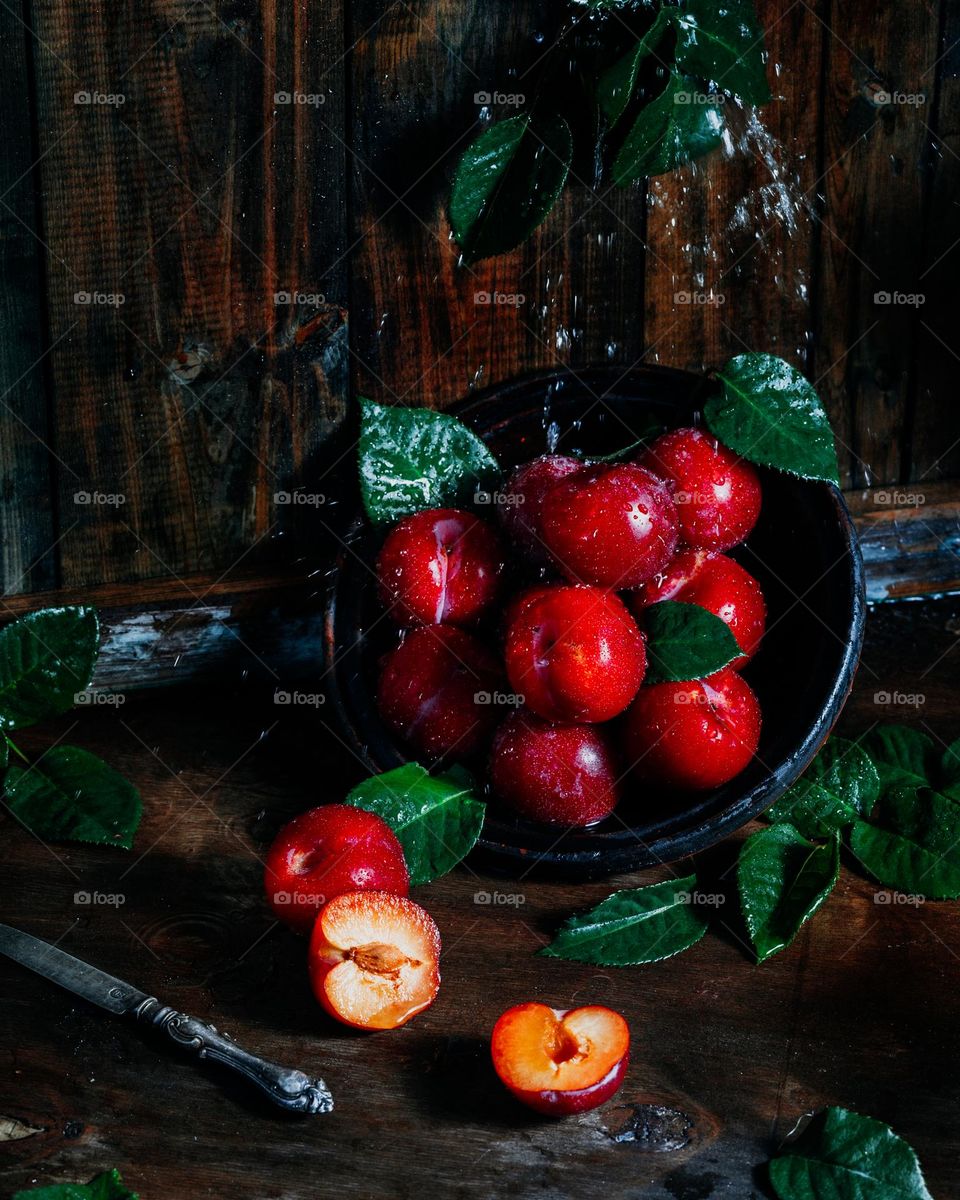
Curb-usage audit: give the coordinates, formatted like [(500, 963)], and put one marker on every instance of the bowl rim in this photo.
[(609, 859)]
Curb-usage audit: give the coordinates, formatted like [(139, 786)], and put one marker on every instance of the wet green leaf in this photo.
[(46, 660), (639, 925), (842, 1155), (437, 818), (412, 459), (616, 85), (769, 413), (678, 125), (72, 795), (783, 880), (840, 785), (902, 755), (685, 641), (722, 44), (108, 1186), (913, 843), (507, 182)]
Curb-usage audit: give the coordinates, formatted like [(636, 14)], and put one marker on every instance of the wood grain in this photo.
[(934, 424), (418, 332), (872, 227), (862, 1010), (27, 516), (192, 197), (731, 237)]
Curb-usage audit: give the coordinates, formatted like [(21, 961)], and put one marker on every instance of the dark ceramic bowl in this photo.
[(804, 551)]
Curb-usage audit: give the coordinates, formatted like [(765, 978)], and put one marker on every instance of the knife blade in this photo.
[(288, 1088), (71, 973)]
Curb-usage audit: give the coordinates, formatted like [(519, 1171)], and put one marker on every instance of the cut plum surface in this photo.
[(374, 959), (560, 1062)]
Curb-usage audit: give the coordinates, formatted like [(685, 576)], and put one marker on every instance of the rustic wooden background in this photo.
[(198, 197)]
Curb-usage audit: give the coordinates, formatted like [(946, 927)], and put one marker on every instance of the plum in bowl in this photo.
[(803, 551)]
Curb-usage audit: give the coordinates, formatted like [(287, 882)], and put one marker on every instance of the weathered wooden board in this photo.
[(862, 1011), (935, 425), (731, 238), (875, 145), (27, 459), (234, 170), (192, 178), (910, 537)]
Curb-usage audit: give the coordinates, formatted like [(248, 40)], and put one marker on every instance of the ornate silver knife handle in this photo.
[(289, 1089)]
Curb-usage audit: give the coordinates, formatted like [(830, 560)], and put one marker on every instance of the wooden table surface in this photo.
[(863, 1010)]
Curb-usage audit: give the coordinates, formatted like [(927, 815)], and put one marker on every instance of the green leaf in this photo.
[(507, 182), (902, 755), (769, 413), (914, 844), (674, 128), (840, 785), (723, 44), (46, 658), (437, 818), (108, 1186), (950, 766), (616, 84), (842, 1155), (72, 795), (639, 925), (412, 458), (684, 641), (783, 880)]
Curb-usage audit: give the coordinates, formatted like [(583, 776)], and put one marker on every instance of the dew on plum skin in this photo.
[(440, 565)]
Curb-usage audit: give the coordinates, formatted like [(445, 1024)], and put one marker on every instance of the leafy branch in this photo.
[(890, 799), (47, 660), (624, 92)]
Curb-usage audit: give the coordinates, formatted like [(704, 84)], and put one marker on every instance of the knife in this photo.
[(289, 1089)]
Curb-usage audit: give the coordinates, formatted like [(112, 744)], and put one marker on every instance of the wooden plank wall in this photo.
[(199, 195)]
